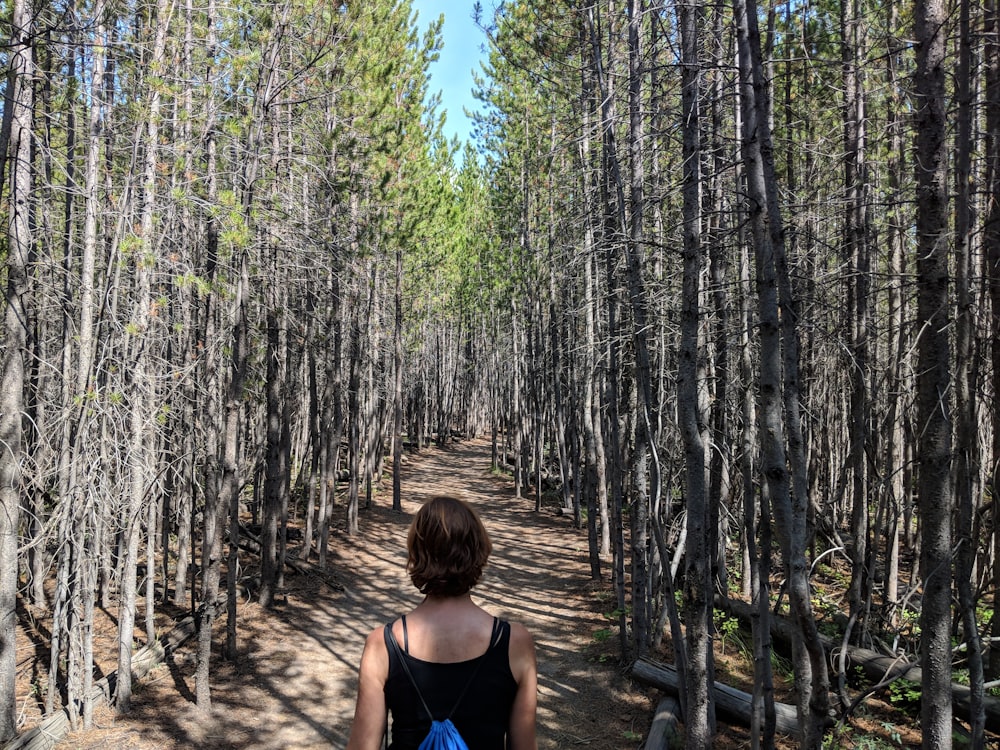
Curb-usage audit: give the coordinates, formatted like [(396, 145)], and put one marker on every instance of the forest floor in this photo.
[(295, 681)]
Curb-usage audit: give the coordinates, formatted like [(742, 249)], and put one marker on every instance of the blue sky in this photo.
[(452, 73)]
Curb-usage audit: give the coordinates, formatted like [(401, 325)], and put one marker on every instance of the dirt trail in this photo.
[(294, 685)]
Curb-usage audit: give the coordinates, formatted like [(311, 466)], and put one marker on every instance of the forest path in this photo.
[(295, 683)]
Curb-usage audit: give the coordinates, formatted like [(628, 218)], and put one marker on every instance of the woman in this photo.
[(469, 666)]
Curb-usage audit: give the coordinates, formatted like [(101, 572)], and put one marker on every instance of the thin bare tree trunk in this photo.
[(644, 479), (140, 458), (20, 103), (91, 178), (354, 425), (216, 426), (856, 256), (335, 423), (231, 479), (782, 465), (311, 483), (699, 718), (397, 385), (613, 212), (894, 439), (991, 250), (966, 463), (275, 466), (935, 493)]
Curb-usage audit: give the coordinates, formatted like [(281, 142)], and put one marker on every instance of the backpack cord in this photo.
[(406, 668)]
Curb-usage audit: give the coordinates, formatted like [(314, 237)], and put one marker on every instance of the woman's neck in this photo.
[(436, 601)]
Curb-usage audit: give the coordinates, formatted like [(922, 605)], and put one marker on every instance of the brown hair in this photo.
[(448, 547)]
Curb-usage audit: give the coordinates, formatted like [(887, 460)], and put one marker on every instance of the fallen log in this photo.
[(878, 667), (875, 666), (50, 732), (664, 733), (731, 704)]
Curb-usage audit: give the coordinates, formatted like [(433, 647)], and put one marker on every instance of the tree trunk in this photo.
[(222, 497), (856, 257), (991, 251), (643, 475), (613, 211), (934, 491), (218, 428), (594, 482), (781, 464), (354, 426), (397, 385), (142, 392), (333, 426), (699, 719), (274, 472), (20, 57), (966, 442), (897, 345)]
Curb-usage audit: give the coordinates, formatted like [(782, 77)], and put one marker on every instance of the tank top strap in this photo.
[(497, 635), (406, 636)]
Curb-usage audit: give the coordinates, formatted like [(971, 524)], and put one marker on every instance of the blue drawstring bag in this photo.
[(443, 735)]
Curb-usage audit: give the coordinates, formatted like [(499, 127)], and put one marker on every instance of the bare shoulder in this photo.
[(520, 638), (375, 657), (376, 636), (522, 654)]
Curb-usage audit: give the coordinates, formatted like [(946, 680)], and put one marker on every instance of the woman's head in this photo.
[(448, 547)]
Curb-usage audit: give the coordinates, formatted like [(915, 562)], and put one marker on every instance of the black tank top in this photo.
[(482, 716)]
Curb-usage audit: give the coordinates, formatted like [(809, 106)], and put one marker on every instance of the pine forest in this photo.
[(718, 281)]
